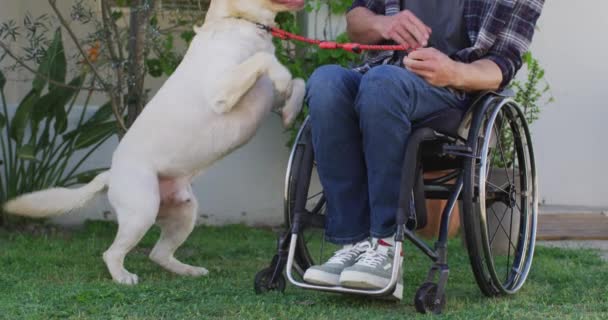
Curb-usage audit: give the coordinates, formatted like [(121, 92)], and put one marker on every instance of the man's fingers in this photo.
[(421, 39), (395, 36), (423, 54), (418, 65), (423, 30), (400, 35), (407, 36)]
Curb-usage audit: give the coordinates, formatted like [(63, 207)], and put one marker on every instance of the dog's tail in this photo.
[(56, 201)]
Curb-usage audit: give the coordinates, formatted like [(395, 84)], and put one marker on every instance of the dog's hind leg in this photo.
[(176, 222), (134, 194)]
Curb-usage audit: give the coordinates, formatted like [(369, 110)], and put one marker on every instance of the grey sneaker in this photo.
[(373, 270), (328, 274)]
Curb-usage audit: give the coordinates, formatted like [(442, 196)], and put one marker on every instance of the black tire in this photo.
[(501, 139), (424, 301), (262, 282), (311, 246)]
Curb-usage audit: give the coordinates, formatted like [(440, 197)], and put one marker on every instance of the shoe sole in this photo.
[(362, 280), (321, 278)]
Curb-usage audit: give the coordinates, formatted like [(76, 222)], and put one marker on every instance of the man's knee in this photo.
[(325, 76), (327, 87)]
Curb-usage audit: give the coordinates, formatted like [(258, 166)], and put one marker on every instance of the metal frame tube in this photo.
[(425, 248), (446, 217)]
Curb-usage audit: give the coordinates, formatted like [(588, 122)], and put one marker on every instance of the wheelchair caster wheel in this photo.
[(425, 301), (263, 284)]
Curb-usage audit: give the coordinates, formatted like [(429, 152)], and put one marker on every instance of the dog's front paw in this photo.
[(281, 78), (293, 106), (126, 278)]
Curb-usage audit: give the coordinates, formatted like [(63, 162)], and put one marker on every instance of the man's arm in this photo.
[(362, 26), (440, 70), (479, 75), (365, 26)]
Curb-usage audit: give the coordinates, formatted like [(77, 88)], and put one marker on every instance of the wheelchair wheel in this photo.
[(426, 301), (500, 198), (311, 247), (263, 282)]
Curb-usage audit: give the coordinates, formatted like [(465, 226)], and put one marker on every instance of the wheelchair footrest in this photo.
[(388, 290)]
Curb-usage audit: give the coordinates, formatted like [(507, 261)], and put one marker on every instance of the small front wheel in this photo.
[(426, 300), (263, 281)]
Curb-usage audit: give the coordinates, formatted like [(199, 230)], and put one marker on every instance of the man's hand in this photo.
[(404, 28), (441, 71), (364, 26), (432, 65)]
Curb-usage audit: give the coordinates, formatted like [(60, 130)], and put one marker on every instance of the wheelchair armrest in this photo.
[(479, 99), (506, 93)]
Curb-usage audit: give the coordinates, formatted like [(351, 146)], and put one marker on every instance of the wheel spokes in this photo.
[(504, 157)]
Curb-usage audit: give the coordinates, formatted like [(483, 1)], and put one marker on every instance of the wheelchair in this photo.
[(487, 163)]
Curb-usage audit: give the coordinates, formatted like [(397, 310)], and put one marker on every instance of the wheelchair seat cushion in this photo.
[(446, 121)]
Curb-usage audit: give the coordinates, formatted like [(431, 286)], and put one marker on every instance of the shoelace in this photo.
[(345, 254), (371, 258)]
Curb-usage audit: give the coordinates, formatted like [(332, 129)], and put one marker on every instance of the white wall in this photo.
[(570, 137)]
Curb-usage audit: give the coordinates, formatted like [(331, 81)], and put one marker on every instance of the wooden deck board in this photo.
[(572, 227)]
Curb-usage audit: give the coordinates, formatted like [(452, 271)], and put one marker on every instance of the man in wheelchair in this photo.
[(361, 118)]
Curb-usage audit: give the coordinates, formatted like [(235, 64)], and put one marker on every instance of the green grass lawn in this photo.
[(61, 275)]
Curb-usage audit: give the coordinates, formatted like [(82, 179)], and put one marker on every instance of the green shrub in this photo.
[(38, 146)]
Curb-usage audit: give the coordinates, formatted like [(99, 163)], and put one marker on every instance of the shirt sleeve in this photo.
[(376, 7), (508, 66), (513, 42), (357, 3)]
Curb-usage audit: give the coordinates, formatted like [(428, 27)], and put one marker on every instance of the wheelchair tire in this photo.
[(425, 302), (262, 282), (311, 235), (501, 177)]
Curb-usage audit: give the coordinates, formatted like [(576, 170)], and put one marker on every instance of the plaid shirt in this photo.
[(499, 30)]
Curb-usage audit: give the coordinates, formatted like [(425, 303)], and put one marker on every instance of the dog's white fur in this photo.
[(212, 104)]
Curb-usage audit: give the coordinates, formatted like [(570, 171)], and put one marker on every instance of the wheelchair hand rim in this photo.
[(516, 282)]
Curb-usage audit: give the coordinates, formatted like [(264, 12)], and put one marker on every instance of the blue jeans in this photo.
[(360, 128)]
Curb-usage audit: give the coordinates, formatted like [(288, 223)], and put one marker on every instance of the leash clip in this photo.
[(263, 26)]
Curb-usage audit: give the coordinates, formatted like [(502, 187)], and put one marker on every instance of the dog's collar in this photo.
[(265, 27)]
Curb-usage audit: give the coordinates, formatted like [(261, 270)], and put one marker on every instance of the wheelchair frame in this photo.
[(463, 156)]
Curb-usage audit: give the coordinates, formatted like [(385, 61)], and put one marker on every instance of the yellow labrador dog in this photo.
[(211, 105)]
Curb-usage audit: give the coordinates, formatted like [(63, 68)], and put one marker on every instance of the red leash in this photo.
[(331, 45)]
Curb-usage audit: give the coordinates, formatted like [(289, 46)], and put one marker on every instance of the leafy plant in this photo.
[(530, 95), (39, 147), (126, 44), (165, 58), (302, 59)]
